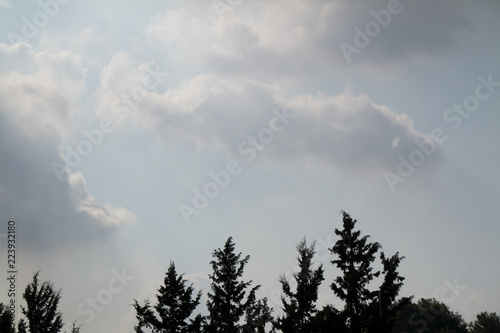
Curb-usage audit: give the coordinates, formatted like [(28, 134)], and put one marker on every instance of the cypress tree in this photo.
[(228, 300), (299, 306), (355, 257), (41, 311), (174, 308)]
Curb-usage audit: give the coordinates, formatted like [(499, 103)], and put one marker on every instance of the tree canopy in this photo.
[(230, 297), (299, 306), (174, 307), (367, 291)]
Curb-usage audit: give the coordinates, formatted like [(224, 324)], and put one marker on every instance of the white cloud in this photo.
[(109, 215), (344, 130)]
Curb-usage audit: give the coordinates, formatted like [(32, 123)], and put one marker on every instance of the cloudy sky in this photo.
[(133, 133)]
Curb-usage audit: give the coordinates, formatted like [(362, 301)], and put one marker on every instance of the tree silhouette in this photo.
[(355, 257), (486, 323), (429, 315), (365, 310), (6, 320), (228, 300), (329, 320), (175, 305), (42, 308), (257, 316), (300, 306), (75, 328), (385, 305)]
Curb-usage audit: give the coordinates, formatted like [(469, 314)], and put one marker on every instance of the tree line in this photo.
[(233, 307)]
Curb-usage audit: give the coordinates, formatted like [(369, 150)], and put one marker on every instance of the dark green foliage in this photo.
[(42, 308), (365, 310), (329, 320), (486, 323), (175, 305), (233, 308), (300, 306), (429, 315), (385, 307), (228, 301), (6, 320), (355, 256)]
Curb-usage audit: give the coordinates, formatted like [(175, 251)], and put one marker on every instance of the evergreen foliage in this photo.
[(300, 306), (174, 308), (233, 306), (365, 310), (41, 310), (486, 323), (228, 300)]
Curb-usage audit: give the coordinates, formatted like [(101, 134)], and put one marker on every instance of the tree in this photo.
[(300, 306), (42, 308), (75, 328), (329, 320), (355, 257), (174, 308), (385, 306), (365, 310), (6, 320), (486, 323), (228, 300), (429, 315), (257, 316)]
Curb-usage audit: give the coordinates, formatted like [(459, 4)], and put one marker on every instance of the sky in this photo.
[(135, 133)]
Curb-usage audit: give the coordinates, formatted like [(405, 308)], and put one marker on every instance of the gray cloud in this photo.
[(283, 39), (37, 101)]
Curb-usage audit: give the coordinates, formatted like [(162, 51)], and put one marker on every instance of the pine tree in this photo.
[(228, 300), (42, 308), (300, 306), (355, 257), (174, 308)]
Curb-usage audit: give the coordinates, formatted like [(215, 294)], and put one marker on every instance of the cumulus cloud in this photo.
[(345, 131), (38, 91), (352, 132)]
